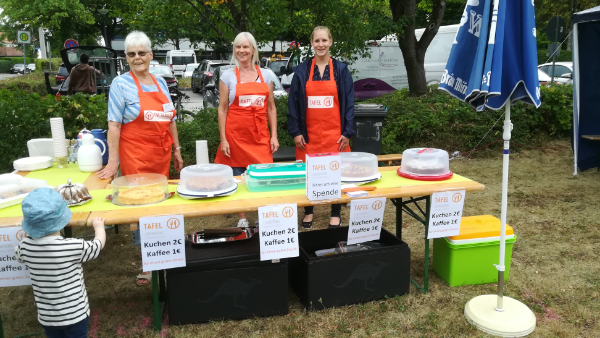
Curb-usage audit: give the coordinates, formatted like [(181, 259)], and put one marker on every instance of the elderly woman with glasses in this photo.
[(141, 118)]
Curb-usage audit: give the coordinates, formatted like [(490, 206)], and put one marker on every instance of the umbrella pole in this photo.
[(509, 317), (504, 207)]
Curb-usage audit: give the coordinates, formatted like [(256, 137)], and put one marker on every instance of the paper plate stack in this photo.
[(33, 163)]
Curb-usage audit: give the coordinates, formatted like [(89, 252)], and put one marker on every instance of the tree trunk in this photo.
[(413, 51)]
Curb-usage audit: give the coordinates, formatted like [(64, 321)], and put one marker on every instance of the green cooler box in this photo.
[(469, 258)]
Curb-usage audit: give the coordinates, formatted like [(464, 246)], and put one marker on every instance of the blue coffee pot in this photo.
[(100, 140)]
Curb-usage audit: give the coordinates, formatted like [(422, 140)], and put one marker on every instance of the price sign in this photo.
[(12, 273), (278, 231), (163, 242), (323, 176), (446, 212), (366, 220)]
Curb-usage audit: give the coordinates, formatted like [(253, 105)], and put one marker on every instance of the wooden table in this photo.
[(405, 199)]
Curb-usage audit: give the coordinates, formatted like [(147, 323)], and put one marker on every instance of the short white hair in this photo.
[(136, 39), (238, 39)]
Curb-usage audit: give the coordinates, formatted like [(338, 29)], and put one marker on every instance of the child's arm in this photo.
[(100, 234)]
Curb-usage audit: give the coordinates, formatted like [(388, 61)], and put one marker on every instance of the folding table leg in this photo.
[(156, 302)]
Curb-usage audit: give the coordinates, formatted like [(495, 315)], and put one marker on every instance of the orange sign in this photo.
[(334, 165), (173, 223), (20, 235), (456, 197), (288, 212), (377, 205)]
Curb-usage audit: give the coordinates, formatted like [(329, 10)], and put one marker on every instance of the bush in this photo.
[(41, 65), (565, 55), (439, 120), (6, 65), (33, 83), (25, 116), (185, 83)]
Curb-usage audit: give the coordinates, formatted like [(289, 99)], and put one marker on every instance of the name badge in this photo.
[(320, 102), (252, 101), (168, 107), (157, 116)]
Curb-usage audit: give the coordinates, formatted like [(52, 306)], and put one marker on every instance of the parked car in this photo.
[(62, 74), (31, 67), (154, 62), (276, 65), (563, 71), (178, 59), (166, 73), (211, 96), (189, 69), (546, 79), (18, 68), (204, 73)]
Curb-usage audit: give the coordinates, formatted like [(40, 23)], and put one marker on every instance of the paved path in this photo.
[(4, 76), (194, 104)]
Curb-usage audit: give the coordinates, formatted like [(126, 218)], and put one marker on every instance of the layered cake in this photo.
[(208, 184)]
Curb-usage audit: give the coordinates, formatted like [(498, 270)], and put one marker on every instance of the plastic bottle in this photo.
[(343, 247)]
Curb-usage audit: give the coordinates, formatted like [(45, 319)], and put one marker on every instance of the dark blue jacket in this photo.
[(297, 100)]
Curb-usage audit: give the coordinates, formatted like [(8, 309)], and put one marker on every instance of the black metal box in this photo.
[(226, 281), (349, 278), (368, 126)]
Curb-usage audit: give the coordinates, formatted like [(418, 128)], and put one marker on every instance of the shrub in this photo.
[(33, 83), (25, 116), (6, 65), (439, 120), (41, 65)]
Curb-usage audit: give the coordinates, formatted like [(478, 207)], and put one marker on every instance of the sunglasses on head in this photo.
[(132, 54)]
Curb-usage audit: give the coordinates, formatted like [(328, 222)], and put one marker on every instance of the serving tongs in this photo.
[(221, 235)]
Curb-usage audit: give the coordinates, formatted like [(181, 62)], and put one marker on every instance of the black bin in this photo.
[(349, 278), (226, 281), (368, 125)]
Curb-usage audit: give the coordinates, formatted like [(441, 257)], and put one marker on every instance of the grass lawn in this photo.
[(555, 269)]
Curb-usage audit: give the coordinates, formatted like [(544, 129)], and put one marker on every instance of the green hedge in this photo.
[(41, 64), (565, 55), (25, 116), (32, 83), (6, 65), (439, 120)]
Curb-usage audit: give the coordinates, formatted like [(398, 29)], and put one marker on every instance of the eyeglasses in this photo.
[(132, 54)]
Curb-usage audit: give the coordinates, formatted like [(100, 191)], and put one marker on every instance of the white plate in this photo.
[(360, 181), (33, 163), (189, 195)]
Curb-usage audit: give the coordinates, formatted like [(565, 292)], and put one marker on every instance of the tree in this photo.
[(413, 50)]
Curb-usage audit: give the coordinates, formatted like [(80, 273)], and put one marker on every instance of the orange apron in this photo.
[(246, 128), (145, 143), (323, 120)]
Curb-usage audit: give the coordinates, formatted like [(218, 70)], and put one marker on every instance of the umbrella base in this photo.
[(517, 320)]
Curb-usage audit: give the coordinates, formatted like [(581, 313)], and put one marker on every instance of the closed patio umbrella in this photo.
[(493, 64)]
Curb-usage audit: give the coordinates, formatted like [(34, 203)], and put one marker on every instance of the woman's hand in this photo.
[(274, 144), (225, 148), (300, 143), (343, 141), (109, 171), (178, 160)]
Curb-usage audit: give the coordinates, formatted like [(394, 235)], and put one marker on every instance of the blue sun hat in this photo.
[(44, 212)]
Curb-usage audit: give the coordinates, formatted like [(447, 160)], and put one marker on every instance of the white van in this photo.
[(385, 71), (178, 59)]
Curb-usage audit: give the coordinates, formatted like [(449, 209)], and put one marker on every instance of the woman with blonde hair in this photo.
[(246, 101), (321, 109)]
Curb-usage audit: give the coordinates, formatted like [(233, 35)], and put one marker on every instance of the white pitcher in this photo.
[(89, 155)]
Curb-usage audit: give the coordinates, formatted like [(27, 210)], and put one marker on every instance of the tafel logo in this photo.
[(173, 223), (328, 102), (20, 235), (334, 165), (456, 197), (260, 101), (288, 212), (377, 205), (149, 115)]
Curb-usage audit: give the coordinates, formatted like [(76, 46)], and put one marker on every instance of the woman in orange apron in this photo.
[(141, 121), (321, 109), (246, 100)]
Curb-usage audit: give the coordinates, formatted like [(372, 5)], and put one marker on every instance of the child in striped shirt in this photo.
[(54, 263)]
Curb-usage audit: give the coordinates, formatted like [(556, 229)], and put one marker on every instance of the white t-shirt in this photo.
[(230, 80)]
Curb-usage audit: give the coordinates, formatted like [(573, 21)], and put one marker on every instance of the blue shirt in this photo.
[(124, 101)]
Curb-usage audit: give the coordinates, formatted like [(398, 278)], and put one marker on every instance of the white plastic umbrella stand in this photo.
[(499, 315)]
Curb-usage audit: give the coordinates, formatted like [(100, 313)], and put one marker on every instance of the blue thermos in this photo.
[(100, 137)]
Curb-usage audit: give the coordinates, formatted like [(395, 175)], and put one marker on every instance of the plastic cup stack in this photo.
[(59, 141), (202, 152)]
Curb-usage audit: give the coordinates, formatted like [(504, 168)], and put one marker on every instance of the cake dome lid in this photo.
[(139, 180), (357, 157), (211, 169)]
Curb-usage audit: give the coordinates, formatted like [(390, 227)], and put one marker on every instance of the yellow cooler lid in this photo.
[(480, 227)]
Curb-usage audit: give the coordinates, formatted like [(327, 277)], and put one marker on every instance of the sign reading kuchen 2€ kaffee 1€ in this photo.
[(278, 231), (366, 220), (163, 242), (446, 213), (323, 176), (12, 273)]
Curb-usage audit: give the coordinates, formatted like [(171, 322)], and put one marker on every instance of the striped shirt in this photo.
[(54, 264), (124, 101)]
